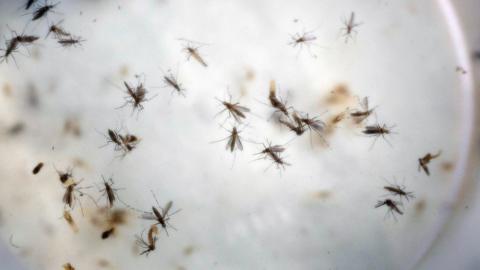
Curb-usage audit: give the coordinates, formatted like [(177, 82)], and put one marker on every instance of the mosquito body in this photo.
[(161, 217), (399, 191), (364, 113), (297, 127), (424, 161), (192, 51), (109, 192), (274, 101), (234, 109), (377, 131), (172, 81), (42, 11), (148, 245), (37, 168), (70, 41), (136, 96), (11, 47), (393, 207), (58, 31), (349, 27), (106, 234)]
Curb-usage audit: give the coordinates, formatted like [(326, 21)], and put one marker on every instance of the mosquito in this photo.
[(423, 162), (349, 27), (37, 168), (109, 191), (70, 41), (58, 31), (136, 95), (302, 39), (278, 160), (192, 51), (393, 207), (29, 4), (148, 245), (377, 131), (161, 217), (11, 47), (364, 113), (269, 149), (234, 140), (400, 191), (297, 127), (234, 109), (26, 39), (171, 81), (274, 101), (42, 11), (70, 197), (65, 176)]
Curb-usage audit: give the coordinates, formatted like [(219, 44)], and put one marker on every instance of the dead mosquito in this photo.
[(57, 31), (171, 81), (109, 191), (148, 245), (11, 47), (192, 51), (273, 152), (70, 41), (393, 207), (129, 141), (302, 39), (364, 113), (108, 232), (274, 101), (423, 162), (70, 196), (161, 217), (278, 160), (136, 95), (234, 109), (377, 131), (123, 143), (400, 191), (296, 126), (42, 11), (349, 27), (234, 140), (65, 176), (269, 149), (25, 39), (37, 168)]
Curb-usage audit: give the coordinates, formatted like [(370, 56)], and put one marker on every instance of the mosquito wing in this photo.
[(167, 208)]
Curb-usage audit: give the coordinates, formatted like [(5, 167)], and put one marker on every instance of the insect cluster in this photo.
[(136, 95), (38, 12)]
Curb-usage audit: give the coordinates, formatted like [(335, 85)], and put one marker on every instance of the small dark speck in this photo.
[(476, 55)]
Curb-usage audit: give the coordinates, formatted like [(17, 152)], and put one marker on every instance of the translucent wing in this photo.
[(364, 103), (148, 216), (238, 143), (167, 208)]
